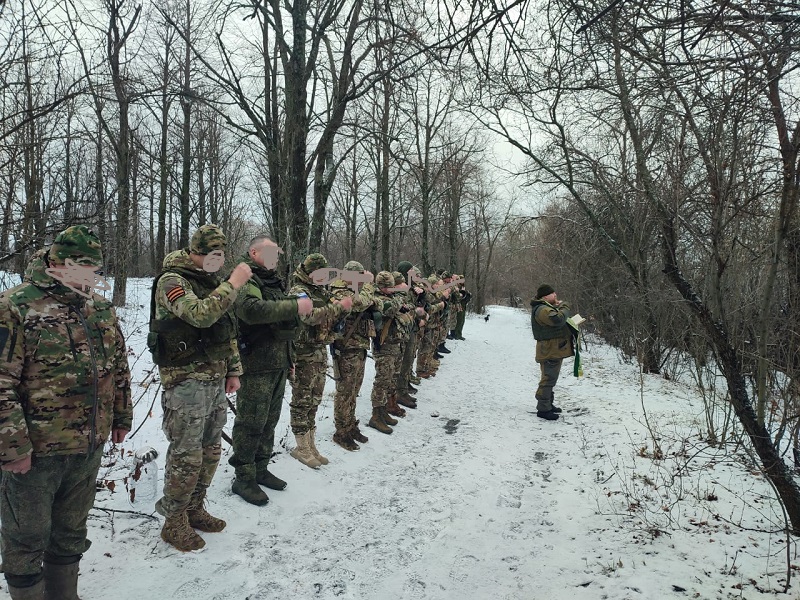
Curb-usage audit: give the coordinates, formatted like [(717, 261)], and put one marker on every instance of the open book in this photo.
[(575, 320)]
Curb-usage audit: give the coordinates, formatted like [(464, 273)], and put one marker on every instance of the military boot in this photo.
[(344, 438), (249, 491), (176, 531), (393, 409), (377, 422), (200, 518), (61, 577), (269, 480), (356, 434), (412, 389), (312, 434), (442, 349), (33, 592), (405, 399), (303, 452), (386, 418)]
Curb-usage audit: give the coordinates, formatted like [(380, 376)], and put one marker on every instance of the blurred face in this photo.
[(551, 298), (79, 278), (213, 262), (266, 255)]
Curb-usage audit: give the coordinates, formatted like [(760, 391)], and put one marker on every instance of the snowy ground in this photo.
[(472, 496)]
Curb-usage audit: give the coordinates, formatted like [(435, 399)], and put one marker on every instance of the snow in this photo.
[(483, 500)]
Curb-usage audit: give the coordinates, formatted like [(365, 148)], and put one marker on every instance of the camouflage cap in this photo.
[(313, 262), (433, 279), (384, 279), (398, 278), (353, 265), (446, 274), (78, 243), (206, 239)]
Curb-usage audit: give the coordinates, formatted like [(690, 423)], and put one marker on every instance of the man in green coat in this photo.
[(554, 343), (64, 392), (268, 325)]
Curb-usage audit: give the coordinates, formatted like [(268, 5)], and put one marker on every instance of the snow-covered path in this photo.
[(472, 496)]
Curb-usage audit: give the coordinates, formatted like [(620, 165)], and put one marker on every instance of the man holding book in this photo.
[(554, 342)]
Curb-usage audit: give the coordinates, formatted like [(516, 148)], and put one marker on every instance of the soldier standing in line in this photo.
[(426, 362), (311, 361), (466, 296), (455, 309), (404, 386), (193, 340), (350, 356), (386, 351), (64, 392), (268, 325), (406, 333)]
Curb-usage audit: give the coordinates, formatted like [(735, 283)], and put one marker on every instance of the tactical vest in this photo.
[(175, 343), (547, 332), (251, 337), (321, 334)]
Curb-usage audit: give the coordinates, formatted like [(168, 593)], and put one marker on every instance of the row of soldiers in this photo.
[(65, 382)]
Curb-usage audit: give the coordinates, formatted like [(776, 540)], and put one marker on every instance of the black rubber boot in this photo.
[(249, 491), (547, 414), (61, 577)]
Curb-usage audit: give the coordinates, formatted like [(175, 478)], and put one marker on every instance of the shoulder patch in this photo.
[(175, 292)]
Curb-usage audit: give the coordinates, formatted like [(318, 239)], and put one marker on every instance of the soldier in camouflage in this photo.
[(350, 356), (405, 324), (311, 357), (268, 325), (416, 297), (386, 352), (426, 363), (64, 392), (193, 341)]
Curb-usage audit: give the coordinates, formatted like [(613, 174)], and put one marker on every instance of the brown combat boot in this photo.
[(344, 438), (356, 434), (377, 422), (312, 434), (200, 519), (176, 531), (406, 399), (393, 409), (386, 418), (303, 452)]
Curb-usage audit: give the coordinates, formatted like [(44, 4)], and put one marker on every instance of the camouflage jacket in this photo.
[(268, 322), (554, 337), (317, 330), (394, 322), (360, 316), (175, 297), (64, 378)]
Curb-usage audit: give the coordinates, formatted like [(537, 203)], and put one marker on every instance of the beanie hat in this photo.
[(404, 267), (207, 239), (313, 262), (78, 243), (544, 290)]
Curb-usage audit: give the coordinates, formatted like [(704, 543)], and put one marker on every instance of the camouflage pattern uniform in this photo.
[(268, 324), (426, 363), (195, 334), (64, 386), (311, 355), (350, 355), (387, 350), (405, 323), (554, 343)]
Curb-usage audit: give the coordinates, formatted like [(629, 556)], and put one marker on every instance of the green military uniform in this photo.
[(405, 322), (462, 314), (426, 363), (350, 356), (554, 343), (311, 358), (64, 386), (193, 339), (386, 350), (268, 324), (412, 344)]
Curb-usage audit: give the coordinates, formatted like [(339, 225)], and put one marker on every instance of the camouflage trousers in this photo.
[(550, 368), (258, 409), (407, 361), (451, 320), (351, 376), (43, 513), (194, 415), (307, 389), (385, 384), (427, 347)]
